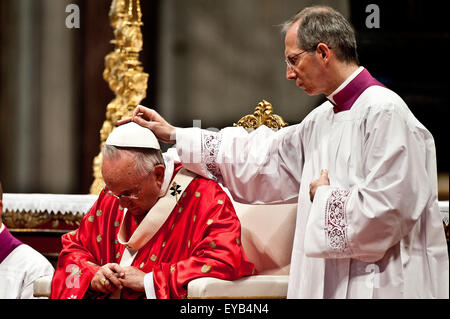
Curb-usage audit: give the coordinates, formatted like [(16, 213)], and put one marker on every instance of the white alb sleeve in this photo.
[(149, 286)]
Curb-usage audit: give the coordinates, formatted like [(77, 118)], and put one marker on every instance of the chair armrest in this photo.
[(42, 287), (255, 287)]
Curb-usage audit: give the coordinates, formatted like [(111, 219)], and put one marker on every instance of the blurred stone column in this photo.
[(19, 95), (38, 81), (59, 87)]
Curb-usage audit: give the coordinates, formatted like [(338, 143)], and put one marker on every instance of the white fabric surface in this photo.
[(443, 207), (53, 203), (19, 270), (267, 234), (42, 287), (149, 286), (246, 287), (381, 159)]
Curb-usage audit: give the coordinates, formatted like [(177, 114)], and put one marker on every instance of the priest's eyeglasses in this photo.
[(291, 61)]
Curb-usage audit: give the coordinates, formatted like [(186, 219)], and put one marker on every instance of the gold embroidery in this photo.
[(180, 210), (197, 194), (141, 265), (118, 255), (99, 238), (163, 244), (212, 244), (206, 269), (153, 258), (91, 218), (184, 194), (195, 217), (220, 202), (116, 223), (120, 207), (99, 212), (189, 243), (209, 222), (172, 269), (173, 225), (237, 241)]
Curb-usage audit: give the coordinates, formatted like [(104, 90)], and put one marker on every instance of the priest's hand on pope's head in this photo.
[(106, 279), (132, 278), (321, 181), (153, 121)]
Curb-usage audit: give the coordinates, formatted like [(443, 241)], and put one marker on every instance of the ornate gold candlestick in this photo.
[(123, 72)]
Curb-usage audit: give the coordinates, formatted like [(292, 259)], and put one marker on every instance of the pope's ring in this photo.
[(103, 281)]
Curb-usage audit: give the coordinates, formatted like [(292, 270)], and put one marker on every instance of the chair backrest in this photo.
[(267, 235), (267, 230), (262, 115)]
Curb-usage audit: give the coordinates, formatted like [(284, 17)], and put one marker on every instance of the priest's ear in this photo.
[(324, 51)]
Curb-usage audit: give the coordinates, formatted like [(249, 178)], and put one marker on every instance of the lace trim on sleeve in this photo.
[(210, 149), (336, 221)]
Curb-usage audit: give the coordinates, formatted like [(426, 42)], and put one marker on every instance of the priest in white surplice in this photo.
[(361, 167)]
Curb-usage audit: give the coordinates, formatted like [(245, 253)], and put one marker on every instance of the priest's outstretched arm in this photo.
[(263, 167)]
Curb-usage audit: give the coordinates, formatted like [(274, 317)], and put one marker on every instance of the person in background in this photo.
[(20, 265)]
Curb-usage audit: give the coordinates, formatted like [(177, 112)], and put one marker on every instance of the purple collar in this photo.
[(345, 98), (7, 244)]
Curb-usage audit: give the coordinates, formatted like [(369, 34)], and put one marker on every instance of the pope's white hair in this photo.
[(145, 158)]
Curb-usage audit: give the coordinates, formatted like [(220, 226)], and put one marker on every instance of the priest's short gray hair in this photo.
[(322, 24), (146, 158)]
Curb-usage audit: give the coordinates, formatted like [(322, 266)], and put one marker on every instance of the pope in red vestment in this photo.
[(198, 236), (201, 238)]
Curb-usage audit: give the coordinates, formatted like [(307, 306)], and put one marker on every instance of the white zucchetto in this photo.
[(132, 135)]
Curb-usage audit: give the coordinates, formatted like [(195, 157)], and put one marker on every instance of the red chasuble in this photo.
[(200, 238)]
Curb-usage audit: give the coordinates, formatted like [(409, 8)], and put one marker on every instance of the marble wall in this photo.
[(37, 97)]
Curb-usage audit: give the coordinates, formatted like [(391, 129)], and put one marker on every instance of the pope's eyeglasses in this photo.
[(122, 196)]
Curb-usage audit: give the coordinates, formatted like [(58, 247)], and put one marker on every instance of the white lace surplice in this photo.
[(376, 231)]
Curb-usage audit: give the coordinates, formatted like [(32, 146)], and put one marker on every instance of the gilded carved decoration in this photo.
[(123, 72), (262, 115), (34, 220)]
